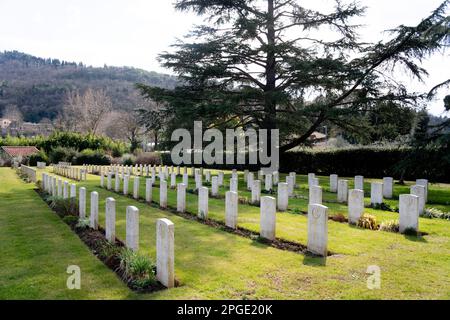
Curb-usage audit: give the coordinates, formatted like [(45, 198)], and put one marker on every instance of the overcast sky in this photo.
[(133, 32)]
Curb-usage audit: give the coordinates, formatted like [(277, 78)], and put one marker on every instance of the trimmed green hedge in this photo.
[(368, 162)]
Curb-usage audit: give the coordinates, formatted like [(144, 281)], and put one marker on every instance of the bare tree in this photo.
[(126, 126), (84, 113)]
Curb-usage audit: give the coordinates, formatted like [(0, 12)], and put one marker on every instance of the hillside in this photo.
[(38, 86)]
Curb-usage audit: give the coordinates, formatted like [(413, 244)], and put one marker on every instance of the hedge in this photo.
[(370, 162)]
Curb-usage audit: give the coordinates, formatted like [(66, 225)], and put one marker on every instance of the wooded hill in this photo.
[(38, 86)]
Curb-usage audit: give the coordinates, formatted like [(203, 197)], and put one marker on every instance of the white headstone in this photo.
[(82, 204), (148, 190), (215, 187), (283, 196), (94, 210), (231, 209), (203, 202), (376, 193), (256, 191), (318, 229), (311, 176), (387, 187), (181, 197), (315, 195), (423, 182), (355, 205), (359, 183), (220, 176), (132, 228), (165, 252), (126, 182), (420, 192), (409, 212), (268, 182), (250, 179), (163, 194), (66, 190), (136, 187), (234, 185), (110, 220), (268, 218), (173, 180), (334, 183), (291, 185), (73, 191), (342, 195)]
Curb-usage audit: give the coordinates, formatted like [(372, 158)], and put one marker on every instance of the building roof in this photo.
[(24, 151)]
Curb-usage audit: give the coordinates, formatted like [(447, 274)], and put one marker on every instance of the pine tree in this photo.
[(266, 64)]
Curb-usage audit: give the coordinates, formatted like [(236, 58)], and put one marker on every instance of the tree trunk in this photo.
[(269, 120)]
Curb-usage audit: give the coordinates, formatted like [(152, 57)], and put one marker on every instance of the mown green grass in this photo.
[(36, 248), (214, 264), (207, 257)]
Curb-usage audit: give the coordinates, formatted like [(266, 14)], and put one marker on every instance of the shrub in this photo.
[(62, 154), (71, 220), (367, 221), (63, 207), (150, 158), (390, 226), (89, 156), (128, 159), (83, 224), (432, 213), (137, 270)]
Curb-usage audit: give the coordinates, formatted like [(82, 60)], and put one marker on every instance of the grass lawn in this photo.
[(36, 248), (214, 264)]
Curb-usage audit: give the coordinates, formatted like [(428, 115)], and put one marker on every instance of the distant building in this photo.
[(10, 153), (5, 123), (15, 128)]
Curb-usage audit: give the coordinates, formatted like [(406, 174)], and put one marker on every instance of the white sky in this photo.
[(133, 32)]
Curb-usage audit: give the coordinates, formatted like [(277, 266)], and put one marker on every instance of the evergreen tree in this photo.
[(266, 64)]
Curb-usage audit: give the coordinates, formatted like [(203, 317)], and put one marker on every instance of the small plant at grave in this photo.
[(390, 226), (271, 191), (138, 271), (367, 221), (71, 220), (107, 250), (82, 224), (63, 207), (207, 184), (243, 200), (382, 206), (434, 213), (339, 217)]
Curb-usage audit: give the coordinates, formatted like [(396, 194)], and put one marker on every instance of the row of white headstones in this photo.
[(70, 172), (317, 225), (354, 197), (165, 256)]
